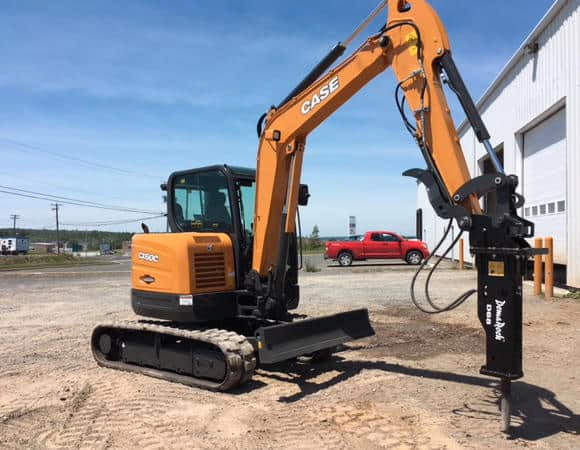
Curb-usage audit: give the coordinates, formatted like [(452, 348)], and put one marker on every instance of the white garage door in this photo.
[(545, 181)]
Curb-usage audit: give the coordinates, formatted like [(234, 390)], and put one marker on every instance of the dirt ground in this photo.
[(416, 384)]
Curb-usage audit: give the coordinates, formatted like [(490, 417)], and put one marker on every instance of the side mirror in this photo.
[(163, 187), (303, 195)]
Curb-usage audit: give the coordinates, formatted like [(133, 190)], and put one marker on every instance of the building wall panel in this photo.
[(535, 86)]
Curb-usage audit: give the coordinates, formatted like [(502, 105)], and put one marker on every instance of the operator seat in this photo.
[(216, 208)]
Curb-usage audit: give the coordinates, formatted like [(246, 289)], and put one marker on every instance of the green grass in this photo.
[(313, 252), (308, 249), (573, 295), (39, 261)]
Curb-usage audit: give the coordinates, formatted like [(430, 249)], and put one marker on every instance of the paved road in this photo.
[(123, 264), (118, 268), (318, 261), (111, 265), (121, 267)]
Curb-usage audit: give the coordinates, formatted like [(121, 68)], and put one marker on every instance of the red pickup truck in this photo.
[(376, 245)]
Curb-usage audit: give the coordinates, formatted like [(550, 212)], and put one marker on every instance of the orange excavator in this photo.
[(220, 287)]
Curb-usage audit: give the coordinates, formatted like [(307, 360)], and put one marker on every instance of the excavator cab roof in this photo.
[(241, 172), (235, 171)]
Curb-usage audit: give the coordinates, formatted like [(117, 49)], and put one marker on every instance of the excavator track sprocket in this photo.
[(213, 359)]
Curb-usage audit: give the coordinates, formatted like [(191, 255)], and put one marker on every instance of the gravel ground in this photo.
[(413, 385)]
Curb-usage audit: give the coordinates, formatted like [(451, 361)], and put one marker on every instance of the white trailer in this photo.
[(14, 246)]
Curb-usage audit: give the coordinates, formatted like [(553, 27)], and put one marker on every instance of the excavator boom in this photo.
[(413, 43)]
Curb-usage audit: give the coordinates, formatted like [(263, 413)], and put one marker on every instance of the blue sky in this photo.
[(157, 86)]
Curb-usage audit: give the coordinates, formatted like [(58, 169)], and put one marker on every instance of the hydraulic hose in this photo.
[(435, 308)]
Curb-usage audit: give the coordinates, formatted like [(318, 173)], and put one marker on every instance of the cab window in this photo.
[(201, 202), (247, 196)]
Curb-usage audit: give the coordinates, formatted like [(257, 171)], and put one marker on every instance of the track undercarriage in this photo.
[(214, 358)]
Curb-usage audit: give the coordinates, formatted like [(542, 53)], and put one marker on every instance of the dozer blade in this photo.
[(281, 342)]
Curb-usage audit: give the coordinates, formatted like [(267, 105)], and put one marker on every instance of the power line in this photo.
[(51, 195), (85, 205), (42, 184), (112, 222), (50, 199), (88, 202), (32, 148), (70, 201)]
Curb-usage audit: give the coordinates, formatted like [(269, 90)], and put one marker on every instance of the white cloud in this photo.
[(111, 58)]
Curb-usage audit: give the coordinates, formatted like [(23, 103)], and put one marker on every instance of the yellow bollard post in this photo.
[(550, 268), (538, 268), (461, 258)]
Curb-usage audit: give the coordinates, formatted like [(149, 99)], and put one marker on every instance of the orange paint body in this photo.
[(550, 268), (538, 272), (182, 263)]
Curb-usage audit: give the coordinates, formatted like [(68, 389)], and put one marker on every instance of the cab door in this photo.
[(391, 246), (375, 247)]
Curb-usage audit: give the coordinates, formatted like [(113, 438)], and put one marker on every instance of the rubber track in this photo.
[(239, 354)]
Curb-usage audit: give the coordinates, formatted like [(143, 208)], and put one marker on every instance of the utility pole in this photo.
[(55, 209), (14, 218)]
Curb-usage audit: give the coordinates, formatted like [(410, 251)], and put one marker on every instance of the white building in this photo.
[(532, 111), (14, 245)]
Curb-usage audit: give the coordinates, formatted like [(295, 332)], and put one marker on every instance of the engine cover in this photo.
[(183, 263)]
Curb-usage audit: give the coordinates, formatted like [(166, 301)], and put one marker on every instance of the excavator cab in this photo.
[(210, 199), (217, 199), (197, 272)]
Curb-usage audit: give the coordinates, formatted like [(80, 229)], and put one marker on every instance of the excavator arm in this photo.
[(414, 43)]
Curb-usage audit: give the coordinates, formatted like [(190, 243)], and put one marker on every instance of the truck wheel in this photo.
[(414, 257), (345, 259)]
